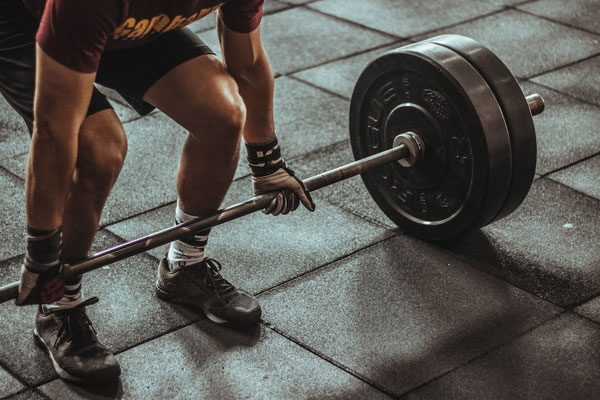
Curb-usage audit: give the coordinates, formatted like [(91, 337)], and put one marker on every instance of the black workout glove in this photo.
[(271, 173), (42, 281)]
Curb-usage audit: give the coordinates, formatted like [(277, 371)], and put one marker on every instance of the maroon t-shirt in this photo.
[(76, 32)]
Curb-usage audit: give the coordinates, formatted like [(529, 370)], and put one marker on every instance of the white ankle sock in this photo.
[(189, 249)]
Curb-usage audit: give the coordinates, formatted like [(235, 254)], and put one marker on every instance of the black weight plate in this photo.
[(514, 107), (464, 177)]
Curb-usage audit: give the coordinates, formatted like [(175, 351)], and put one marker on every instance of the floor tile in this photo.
[(211, 362), (12, 216), (8, 384), (128, 313), (548, 246), (401, 312), (580, 80), (558, 360), (341, 76), (293, 39), (14, 137), (582, 176), (209, 21), (590, 309), (350, 194), (581, 13), (566, 131), (30, 394), (259, 251), (416, 17), (528, 45)]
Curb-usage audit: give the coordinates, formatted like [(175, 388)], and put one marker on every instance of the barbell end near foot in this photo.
[(535, 103)]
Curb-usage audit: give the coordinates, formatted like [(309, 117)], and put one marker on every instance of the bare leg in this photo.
[(101, 153), (203, 98)]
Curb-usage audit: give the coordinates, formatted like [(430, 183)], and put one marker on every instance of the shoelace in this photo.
[(73, 323), (213, 277)]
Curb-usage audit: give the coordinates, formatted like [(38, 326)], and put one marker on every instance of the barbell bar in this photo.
[(413, 130), (159, 238)]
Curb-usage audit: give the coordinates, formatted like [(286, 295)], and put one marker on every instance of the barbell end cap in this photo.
[(415, 146), (535, 103)]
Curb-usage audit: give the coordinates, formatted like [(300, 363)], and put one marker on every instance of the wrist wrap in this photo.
[(264, 159)]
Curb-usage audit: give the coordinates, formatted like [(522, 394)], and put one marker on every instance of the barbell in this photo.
[(444, 141)]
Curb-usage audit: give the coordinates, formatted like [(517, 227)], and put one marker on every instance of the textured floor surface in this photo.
[(353, 308)]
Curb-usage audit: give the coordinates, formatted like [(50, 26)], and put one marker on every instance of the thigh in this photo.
[(17, 62), (197, 94), (132, 72)]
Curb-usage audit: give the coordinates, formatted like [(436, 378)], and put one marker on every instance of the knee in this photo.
[(101, 158), (225, 120)]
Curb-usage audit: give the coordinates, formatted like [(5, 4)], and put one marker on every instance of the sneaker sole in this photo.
[(61, 372), (161, 294)]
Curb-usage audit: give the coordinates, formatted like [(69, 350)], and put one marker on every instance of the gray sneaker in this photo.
[(69, 339), (201, 285)]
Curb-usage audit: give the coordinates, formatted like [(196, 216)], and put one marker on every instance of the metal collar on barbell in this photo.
[(415, 145)]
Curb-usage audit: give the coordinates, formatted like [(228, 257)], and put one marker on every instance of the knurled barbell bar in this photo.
[(443, 138)]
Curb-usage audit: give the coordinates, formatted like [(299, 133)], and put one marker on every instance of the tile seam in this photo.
[(328, 359), (490, 350), (549, 19)]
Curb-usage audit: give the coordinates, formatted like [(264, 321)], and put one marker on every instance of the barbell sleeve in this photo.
[(156, 239)]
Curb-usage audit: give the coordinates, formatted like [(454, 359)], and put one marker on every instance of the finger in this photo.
[(304, 195), (305, 199), (284, 204), (279, 204), (289, 201), (295, 201), (272, 206)]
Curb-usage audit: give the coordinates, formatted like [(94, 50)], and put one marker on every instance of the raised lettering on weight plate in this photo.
[(406, 86), (424, 204), (444, 201), (387, 93), (405, 196), (460, 150), (375, 114)]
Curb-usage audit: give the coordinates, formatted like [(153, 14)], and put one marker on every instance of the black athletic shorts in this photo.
[(130, 72)]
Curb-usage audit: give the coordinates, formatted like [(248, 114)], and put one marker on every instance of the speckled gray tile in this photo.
[(209, 22), (30, 394), (205, 361), (590, 309), (294, 39), (580, 80), (350, 194), (306, 118), (128, 313), (567, 131), (581, 13), (259, 251), (548, 246), (559, 360), (341, 76), (416, 17), (401, 313), (14, 136), (8, 384), (12, 216), (528, 45), (582, 176)]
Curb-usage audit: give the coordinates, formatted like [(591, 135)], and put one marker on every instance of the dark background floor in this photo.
[(353, 308)]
